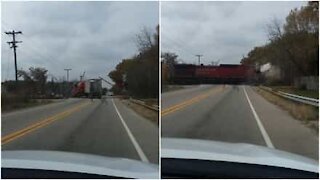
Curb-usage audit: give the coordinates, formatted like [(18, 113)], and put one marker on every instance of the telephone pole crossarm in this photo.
[(199, 56), (68, 73), (13, 45)]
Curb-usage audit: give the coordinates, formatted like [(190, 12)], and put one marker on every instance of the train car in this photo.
[(184, 74), (224, 73)]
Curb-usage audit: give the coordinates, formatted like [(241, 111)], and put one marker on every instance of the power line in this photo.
[(178, 42), (7, 55), (176, 48), (178, 45), (34, 48), (30, 55), (187, 51), (31, 50), (14, 46), (42, 55), (42, 47), (179, 49), (8, 64)]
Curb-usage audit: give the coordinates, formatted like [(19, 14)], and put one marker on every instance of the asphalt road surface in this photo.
[(80, 125), (234, 113)]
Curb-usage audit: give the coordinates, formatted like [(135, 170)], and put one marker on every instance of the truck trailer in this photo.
[(91, 88)]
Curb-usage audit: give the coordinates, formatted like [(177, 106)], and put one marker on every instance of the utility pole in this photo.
[(14, 46), (67, 89), (67, 73), (199, 56)]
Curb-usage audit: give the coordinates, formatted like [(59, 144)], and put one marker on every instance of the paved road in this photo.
[(234, 113), (79, 125)]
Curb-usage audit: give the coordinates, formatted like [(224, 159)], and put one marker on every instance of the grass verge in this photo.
[(9, 107), (300, 92), (143, 111), (167, 88), (307, 114)]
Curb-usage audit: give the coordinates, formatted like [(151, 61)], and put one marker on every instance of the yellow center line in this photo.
[(193, 100), (39, 124)]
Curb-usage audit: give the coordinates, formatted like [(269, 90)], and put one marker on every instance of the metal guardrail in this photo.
[(302, 99), (142, 103), (297, 98)]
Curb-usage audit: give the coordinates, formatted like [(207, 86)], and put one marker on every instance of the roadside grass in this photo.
[(167, 88), (143, 111), (292, 90), (151, 102), (305, 113), (12, 103)]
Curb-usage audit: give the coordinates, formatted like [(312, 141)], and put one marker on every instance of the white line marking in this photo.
[(134, 141), (260, 125)]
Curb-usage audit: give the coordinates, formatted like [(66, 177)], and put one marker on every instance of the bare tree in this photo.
[(144, 40), (169, 59), (274, 29), (141, 70)]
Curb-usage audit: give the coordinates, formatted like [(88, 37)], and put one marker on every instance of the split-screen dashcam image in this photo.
[(159, 89)]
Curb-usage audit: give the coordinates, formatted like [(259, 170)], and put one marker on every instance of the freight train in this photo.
[(221, 74)]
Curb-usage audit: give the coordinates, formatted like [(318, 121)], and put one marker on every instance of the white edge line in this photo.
[(133, 140), (260, 125)]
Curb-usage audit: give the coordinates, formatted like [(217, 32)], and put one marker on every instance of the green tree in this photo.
[(293, 46), (139, 74)]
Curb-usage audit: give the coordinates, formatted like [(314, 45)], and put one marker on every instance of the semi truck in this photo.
[(91, 88)]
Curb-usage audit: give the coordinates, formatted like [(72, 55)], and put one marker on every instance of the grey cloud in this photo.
[(219, 30), (85, 36)]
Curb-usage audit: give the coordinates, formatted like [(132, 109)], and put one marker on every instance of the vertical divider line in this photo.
[(160, 87)]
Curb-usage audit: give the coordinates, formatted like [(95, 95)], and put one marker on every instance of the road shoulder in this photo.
[(286, 133), (145, 132)]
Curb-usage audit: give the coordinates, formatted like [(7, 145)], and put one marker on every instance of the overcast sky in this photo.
[(84, 36), (222, 31)]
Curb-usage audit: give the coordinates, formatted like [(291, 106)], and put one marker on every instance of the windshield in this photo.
[(100, 87), (241, 72), (81, 77)]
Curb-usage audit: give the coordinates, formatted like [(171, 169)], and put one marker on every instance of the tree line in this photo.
[(138, 76), (34, 83), (168, 60), (34, 80), (293, 46)]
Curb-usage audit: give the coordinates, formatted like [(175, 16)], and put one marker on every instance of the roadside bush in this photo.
[(14, 101)]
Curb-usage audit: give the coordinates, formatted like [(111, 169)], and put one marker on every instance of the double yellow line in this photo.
[(190, 101), (12, 136)]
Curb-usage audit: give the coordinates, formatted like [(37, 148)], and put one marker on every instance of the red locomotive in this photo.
[(224, 73)]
